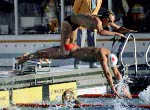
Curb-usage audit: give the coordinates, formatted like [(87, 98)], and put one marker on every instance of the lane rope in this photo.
[(75, 106), (102, 96), (36, 105)]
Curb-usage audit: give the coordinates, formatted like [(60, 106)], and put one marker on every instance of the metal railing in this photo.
[(146, 55), (135, 53)]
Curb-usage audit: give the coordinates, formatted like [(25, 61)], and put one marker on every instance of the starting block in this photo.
[(31, 66)]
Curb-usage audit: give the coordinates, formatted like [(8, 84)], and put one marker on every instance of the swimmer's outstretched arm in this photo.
[(121, 28), (109, 79), (103, 32), (109, 33)]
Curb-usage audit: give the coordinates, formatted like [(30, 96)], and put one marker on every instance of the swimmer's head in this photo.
[(68, 99), (107, 18), (112, 60), (68, 96), (107, 14)]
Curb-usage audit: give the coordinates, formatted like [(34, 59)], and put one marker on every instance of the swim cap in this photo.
[(112, 60)]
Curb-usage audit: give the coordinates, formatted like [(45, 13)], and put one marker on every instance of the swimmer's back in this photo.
[(83, 20)]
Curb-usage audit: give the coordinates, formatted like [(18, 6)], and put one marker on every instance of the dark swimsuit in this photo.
[(74, 26), (69, 46)]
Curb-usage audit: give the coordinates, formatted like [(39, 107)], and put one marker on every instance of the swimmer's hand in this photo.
[(127, 93), (116, 93), (133, 31), (120, 34)]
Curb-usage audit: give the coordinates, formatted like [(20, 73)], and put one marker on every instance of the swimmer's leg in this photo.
[(50, 53), (45, 51), (24, 57)]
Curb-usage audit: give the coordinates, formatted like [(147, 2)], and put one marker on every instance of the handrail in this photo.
[(135, 52), (147, 55)]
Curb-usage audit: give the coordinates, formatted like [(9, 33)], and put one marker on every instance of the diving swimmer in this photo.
[(88, 54)]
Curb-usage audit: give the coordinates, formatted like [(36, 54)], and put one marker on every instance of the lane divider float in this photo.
[(102, 96), (33, 105)]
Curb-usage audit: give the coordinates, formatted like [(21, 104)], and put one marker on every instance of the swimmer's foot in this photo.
[(19, 57), (24, 58)]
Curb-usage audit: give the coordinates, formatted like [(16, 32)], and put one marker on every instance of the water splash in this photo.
[(121, 104), (123, 83), (118, 106), (145, 94), (69, 104)]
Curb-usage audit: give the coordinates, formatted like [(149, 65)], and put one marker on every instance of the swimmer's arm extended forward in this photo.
[(110, 81), (121, 29), (109, 33), (103, 32)]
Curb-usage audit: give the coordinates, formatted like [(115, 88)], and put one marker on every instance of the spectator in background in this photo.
[(82, 7), (68, 7), (50, 11), (122, 8), (123, 20)]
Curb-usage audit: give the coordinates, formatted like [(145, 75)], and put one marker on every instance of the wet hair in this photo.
[(64, 94), (70, 92), (107, 13)]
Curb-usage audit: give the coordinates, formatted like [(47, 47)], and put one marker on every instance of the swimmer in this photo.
[(68, 98), (88, 54)]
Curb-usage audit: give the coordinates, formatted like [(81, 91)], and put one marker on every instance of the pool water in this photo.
[(109, 104), (85, 108), (103, 103)]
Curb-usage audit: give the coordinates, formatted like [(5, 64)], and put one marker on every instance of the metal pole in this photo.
[(135, 52), (110, 4), (62, 10), (16, 16), (146, 55), (110, 8)]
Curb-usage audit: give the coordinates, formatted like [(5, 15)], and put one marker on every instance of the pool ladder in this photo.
[(146, 56), (125, 66)]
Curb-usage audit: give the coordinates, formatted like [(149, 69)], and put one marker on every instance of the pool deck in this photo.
[(85, 77)]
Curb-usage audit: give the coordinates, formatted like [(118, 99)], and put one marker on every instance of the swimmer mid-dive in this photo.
[(89, 54)]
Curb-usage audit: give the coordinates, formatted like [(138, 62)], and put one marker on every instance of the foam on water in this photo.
[(145, 94), (118, 103), (123, 83)]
